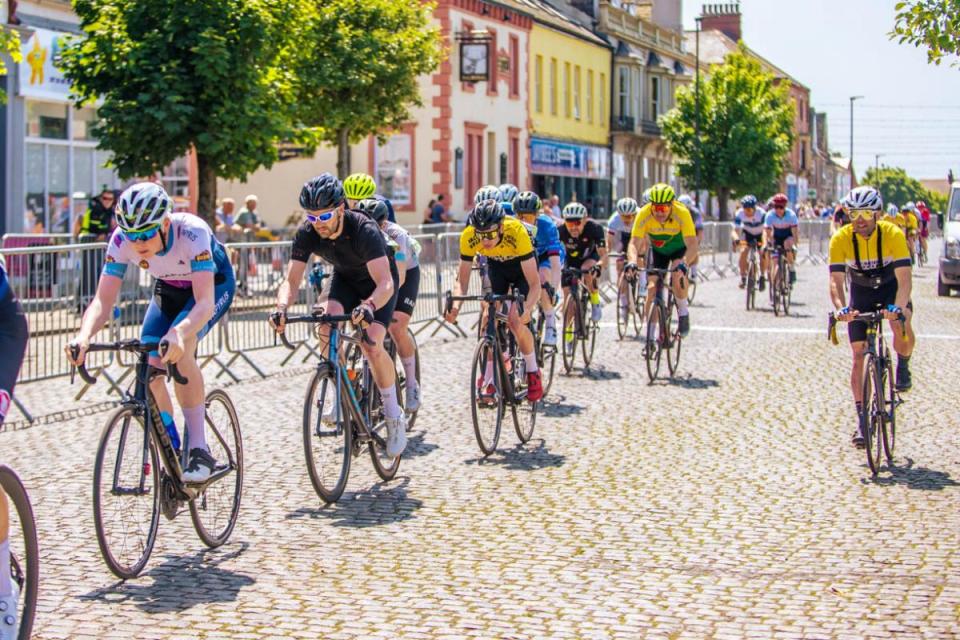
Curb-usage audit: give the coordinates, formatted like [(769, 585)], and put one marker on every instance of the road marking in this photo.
[(790, 330)]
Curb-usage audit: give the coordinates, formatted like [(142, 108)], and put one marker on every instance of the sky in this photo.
[(910, 112)]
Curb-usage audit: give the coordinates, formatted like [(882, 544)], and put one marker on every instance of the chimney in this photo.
[(724, 18)]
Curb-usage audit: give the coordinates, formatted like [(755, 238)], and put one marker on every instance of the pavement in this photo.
[(726, 503)]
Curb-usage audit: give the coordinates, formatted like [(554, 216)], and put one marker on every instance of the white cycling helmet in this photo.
[(488, 192), (627, 206), (141, 205), (863, 198), (892, 210), (686, 201), (645, 198), (574, 211), (508, 192)]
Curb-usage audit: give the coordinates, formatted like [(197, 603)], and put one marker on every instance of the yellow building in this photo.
[(569, 105)]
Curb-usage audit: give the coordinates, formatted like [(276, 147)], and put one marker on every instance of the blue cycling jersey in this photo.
[(4, 287), (547, 238)]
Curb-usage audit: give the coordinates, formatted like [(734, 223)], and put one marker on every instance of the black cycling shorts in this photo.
[(13, 344), (663, 260), (349, 295), (750, 239), (407, 296), (504, 274), (577, 263), (868, 300)]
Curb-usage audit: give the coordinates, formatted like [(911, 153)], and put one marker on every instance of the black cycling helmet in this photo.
[(486, 215), (748, 202), (323, 192), (527, 202), (373, 208)]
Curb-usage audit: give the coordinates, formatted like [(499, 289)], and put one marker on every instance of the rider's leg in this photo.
[(382, 368), (407, 353), (524, 338)]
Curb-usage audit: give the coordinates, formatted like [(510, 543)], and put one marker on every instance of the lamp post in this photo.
[(876, 164), (696, 160), (852, 98)]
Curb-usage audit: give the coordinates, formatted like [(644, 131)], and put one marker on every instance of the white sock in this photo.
[(530, 359), (391, 407), (623, 300), (6, 588), (551, 319), (410, 369), (682, 307), (196, 433)]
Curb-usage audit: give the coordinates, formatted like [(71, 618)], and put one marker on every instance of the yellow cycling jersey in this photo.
[(665, 237), (863, 259), (514, 243)]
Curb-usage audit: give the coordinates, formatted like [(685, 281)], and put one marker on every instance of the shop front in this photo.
[(572, 172)]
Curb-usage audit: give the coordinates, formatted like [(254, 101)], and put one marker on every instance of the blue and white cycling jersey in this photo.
[(781, 225), (750, 224), (546, 241), (4, 285)]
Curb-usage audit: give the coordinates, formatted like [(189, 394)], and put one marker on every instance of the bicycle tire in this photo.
[(485, 350), (569, 353), (623, 314), (26, 573), (524, 412), (654, 347), (325, 382), (890, 415), (636, 308), (548, 365), (385, 466), (220, 446), (411, 415), (871, 418), (751, 285), (128, 422), (589, 343), (674, 340), (691, 289)]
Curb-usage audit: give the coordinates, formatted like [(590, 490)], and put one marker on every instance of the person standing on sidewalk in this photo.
[(93, 226)]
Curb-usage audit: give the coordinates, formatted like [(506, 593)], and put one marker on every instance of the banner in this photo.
[(564, 159), (39, 76)]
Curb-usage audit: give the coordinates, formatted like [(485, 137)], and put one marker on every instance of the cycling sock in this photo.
[(6, 588), (410, 369), (530, 359), (391, 407), (682, 307), (196, 434), (488, 373)]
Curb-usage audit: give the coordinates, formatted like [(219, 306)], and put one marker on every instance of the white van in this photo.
[(950, 258)]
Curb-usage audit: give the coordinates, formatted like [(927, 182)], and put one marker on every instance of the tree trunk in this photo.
[(343, 153), (207, 196), (723, 194)]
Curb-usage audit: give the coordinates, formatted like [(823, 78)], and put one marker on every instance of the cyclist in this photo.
[(875, 254), (359, 186), (781, 226), (364, 280), (194, 287), (619, 228), (13, 344), (506, 243), (924, 218), (507, 194), (585, 244), (488, 192), (407, 259), (694, 210), (666, 226), (546, 243), (748, 232), (910, 227)]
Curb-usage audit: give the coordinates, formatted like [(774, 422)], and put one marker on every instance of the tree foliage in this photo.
[(897, 187), (934, 24), (215, 75), (746, 129), (360, 64), (10, 45)]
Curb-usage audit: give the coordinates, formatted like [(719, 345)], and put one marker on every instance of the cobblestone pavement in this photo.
[(727, 503)]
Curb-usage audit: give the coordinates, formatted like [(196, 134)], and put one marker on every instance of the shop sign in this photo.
[(563, 159), (39, 75)]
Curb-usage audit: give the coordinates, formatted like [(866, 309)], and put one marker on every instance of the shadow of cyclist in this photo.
[(920, 478), (523, 458), (380, 504)]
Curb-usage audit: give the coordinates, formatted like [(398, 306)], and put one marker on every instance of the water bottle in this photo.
[(172, 431)]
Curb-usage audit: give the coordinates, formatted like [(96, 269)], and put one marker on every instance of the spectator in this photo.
[(248, 218), (227, 228), (428, 213), (94, 225), (439, 213), (555, 207)]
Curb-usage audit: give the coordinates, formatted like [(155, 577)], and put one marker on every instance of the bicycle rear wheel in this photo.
[(871, 420), (691, 289), (214, 512), (636, 307), (24, 550), (326, 445), (590, 329), (487, 410), (548, 365), (751, 286), (524, 412), (654, 346), (571, 311), (890, 415), (126, 493), (402, 379), (623, 312)]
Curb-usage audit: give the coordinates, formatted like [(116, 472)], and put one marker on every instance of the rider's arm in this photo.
[(904, 285), (100, 307), (837, 295), (690, 238), (379, 269), (202, 311), (291, 285)]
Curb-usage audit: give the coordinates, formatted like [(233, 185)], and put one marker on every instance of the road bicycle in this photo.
[(631, 313), (753, 272), (780, 287), (342, 410), (663, 333), (546, 353), (498, 375), (577, 326), (24, 549), (878, 415), (131, 488)]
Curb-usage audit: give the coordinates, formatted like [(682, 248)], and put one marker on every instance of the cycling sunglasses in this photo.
[(576, 222), (492, 234), (322, 217), (866, 214), (142, 235), (662, 208)]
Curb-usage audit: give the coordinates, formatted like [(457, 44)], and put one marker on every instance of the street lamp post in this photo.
[(852, 98), (876, 164)]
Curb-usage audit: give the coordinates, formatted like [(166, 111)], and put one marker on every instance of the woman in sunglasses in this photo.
[(194, 288)]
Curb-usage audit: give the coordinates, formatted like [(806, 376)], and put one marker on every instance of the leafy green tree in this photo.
[(212, 75), (746, 129), (934, 24), (360, 67), (10, 45), (897, 187)]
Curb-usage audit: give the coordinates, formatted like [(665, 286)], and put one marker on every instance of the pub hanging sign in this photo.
[(474, 56)]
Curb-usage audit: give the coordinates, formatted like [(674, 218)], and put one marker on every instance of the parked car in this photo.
[(949, 278)]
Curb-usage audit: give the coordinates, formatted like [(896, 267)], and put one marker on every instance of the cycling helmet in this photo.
[(909, 207), (489, 192), (892, 210), (627, 206), (141, 205), (527, 202), (323, 192), (508, 192), (748, 202), (574, 211), (686, 201), (779, 200), (374, 209), (645, 198), (662, 193), (863, 198), (486, 215), (359, 186)]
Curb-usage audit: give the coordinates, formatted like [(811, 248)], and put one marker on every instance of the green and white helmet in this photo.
[(141, 205)]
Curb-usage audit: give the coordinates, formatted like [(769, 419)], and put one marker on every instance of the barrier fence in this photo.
[(55, 282)]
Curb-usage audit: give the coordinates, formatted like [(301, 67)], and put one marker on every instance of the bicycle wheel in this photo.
[(636, 307), (787, 291), (589, 343), (674, 341), (623, 310), (751, 286), (871, 420), (548, 363), (571, 311), (654, 346), (327, 447), (24, 550), (214, 512), (524, 418), (402, 379), (488, 416), (691, 289), (126, 493), (776, 292), (385, 466), (890, 414)]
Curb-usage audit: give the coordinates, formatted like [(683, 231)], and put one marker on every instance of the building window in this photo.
[(468, 87), (566, 89), (538, 84), (654, 98), (513, 172), (603, 97), (393, 168), (590, 96), (803, 155), (514, 66), (623, 92), (553, 86), (637, 97), (576, 92)]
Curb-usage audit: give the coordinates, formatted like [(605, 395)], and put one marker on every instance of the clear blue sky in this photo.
[(839, 48)]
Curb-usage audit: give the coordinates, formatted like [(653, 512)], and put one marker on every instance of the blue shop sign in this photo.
[(563, 159)]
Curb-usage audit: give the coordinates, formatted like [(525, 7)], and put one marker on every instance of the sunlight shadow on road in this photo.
[(920, 478), (382, 503), (528, 457)]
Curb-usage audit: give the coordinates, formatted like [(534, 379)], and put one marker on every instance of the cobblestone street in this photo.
[(726, 503)]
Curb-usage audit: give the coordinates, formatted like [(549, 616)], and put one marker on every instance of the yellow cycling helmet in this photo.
[(662, 194), (359, 186)]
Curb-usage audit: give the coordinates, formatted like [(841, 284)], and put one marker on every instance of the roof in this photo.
[(715, 45), (939, 185), (549, 16), (843, 163)]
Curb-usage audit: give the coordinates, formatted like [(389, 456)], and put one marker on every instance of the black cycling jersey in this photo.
[(591, 238), (13, 341), (359, 242)]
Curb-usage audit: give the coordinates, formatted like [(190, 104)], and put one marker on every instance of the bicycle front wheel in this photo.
[(890, 415), (751, 286), (571, 310), (871, 420), (589, 341), (636, 307), (126, 493), (623, 309), (654, 347), (674, 341), (486, 396), (327, 444), (214, 512), (24, 550)]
